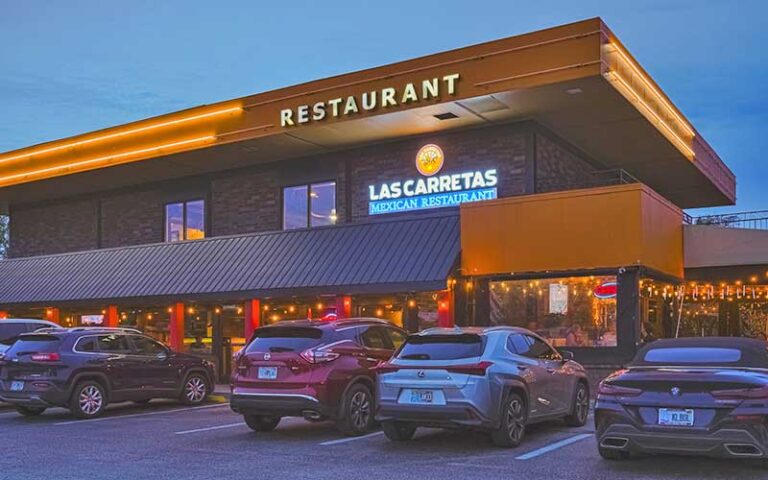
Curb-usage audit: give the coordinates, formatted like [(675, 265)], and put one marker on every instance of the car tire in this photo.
[(30, 411), (195, 389), (356, 411), (611, 454), (261, 423), (579, 407), (398, 431), (511, 431), (89, 399)]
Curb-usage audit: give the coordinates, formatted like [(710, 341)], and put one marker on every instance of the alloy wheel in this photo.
[(515, 420), (195, 389), (91, 400), (582, 404), (360, 410)]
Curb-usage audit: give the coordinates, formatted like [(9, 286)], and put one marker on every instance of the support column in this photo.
[(111, 319), (176, 327), (411, 320), (343, 306), (445, 310), (52, 315), (252, 317)]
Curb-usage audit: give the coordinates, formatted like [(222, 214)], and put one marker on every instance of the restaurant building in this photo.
[(537, 180)]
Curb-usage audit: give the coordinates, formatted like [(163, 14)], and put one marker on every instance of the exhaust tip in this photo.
[(743, 450), (312, 415), (614, 442)]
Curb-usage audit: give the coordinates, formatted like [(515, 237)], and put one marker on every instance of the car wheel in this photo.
[(30, 411), (580, 407), (88, 400), (356, 412), (261, 423), (512, 428), (398, 431), (611, 454), (195, 389)]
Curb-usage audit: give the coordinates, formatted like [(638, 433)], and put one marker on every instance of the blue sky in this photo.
[(68, 67)]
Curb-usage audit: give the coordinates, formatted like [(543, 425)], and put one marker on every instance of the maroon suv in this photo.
[(313, 369)]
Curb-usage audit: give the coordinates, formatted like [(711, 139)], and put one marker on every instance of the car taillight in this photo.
[(471, 369), (742, 393), (45, 357), (610, 390), (319, 356), (386, 367)]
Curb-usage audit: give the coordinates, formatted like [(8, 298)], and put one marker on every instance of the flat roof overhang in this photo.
[(577, 80)]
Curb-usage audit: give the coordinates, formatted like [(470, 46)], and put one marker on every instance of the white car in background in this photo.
[(11, 328)]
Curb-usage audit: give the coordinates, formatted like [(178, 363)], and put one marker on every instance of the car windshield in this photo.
[(442, 347), (285, 339), (27, 344), (688, 355)]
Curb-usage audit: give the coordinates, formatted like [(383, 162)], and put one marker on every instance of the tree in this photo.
[(3, 236)]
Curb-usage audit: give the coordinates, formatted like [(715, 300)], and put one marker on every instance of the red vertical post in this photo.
[(343, 306), (52, 315), (252, 317), (110, 319), (445, 310), (3, 314), (176, 327)]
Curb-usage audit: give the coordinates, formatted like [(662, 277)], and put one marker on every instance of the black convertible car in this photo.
[(694, 396)]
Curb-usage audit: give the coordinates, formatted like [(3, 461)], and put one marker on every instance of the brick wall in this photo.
[(559, 168), (250, 199)]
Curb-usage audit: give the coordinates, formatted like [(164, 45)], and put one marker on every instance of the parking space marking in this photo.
[(553, 446), (134, 415), (349, 439), (206, 429)]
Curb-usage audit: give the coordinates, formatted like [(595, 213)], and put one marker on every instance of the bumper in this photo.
[(284, 405), (450, 415), (725, 443), (48, 395)]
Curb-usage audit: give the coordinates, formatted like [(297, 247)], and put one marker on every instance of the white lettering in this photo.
[(335, 106), (303, 113), (450, 80), (429, 88), (409, 94), (318, 111), (388, 97), (369, 100), (351, 106), (286, 119)]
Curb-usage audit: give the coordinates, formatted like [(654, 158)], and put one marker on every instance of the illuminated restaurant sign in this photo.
[(432, 190), (388, 97)]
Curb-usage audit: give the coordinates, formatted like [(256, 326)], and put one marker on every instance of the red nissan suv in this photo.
[(313, 369)]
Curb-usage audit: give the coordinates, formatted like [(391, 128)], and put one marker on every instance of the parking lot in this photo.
[(167, 440)]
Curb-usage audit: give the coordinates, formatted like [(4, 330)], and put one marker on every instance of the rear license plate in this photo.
[(17, 386), (423, 396), (676, 417), (267, 373)]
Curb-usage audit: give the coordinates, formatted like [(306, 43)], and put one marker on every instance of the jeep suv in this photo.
[(83, 369), (313, 369)]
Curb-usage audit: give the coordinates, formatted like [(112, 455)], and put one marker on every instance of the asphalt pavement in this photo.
[(165, 440)]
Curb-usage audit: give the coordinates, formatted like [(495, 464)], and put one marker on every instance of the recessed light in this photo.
[(574, 91), (446, 116)]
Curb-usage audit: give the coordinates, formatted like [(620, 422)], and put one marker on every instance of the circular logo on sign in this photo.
[(429, 160)]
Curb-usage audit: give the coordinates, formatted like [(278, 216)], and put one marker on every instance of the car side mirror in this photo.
[(567, 355)]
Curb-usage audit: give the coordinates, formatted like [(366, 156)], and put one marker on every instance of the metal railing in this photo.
[(755, 220)]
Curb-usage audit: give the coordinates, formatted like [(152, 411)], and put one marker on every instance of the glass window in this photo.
[(375, 337), (309, 205), (86, 344), (146, 346), (10, 331), (185, 221), (572, 311), (285, 339), (442, 347), (708, 355), (114, 344), (397, 337)]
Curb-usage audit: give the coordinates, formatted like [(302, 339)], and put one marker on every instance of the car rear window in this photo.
[(442, 347), (10, 331), (34, 344), (688, 355), (285, 339)]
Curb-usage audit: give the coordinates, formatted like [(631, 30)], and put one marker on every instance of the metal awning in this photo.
[(389, 256)]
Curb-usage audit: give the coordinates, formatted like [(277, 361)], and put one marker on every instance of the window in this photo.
[(397, 337), (375, 337), (114, 344), (147, 346), (86, 344), (683, 355), (285, 339), (185, 221), (567, 312), (442, 347), (311, 205), (531, 347)]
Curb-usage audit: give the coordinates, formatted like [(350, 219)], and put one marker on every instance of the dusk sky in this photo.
[(72, 66)]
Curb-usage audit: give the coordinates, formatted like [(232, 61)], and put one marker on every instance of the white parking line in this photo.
[(350, 439), (159, 412), (206, 429), (553, 446)]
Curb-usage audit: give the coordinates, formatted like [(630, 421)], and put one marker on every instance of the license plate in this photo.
[(676, 417), (422, 396), (267, 373), (17, 386)]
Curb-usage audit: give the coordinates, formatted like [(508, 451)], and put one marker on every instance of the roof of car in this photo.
[(754, 352), (473, 330), (87, 330), (27, 320), (346, 322)]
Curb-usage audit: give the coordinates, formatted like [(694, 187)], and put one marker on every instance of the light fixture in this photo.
[(574, 91), (291, 309), (319, 306)]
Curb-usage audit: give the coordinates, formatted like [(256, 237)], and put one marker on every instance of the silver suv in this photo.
[(497, 379)]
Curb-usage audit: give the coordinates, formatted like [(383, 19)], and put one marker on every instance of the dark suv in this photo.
[(313, 369), (85, 368)]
